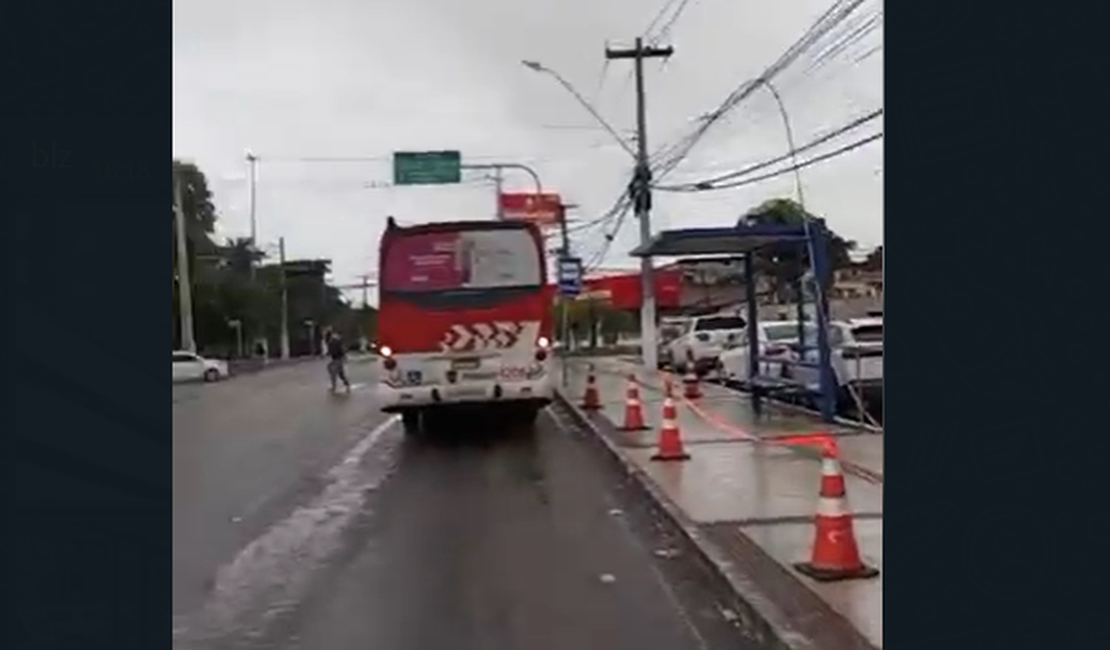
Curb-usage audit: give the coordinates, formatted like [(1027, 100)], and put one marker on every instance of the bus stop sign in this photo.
[(570, 276)]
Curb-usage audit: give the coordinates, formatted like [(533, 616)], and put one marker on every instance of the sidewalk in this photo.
[(752, 504)]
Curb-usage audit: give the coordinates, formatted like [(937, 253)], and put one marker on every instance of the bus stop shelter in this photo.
[(743, 241)]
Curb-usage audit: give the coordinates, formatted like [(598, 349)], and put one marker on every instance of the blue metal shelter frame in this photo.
[(743, 240)]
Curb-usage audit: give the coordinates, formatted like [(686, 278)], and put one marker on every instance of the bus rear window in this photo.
[(461, 259)]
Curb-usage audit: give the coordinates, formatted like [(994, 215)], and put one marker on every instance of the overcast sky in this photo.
[(363, 78)]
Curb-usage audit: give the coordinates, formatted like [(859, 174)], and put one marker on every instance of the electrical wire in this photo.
[(869, 53), (852, 125), (665, 30), (833, 17), (812, 161), (854, 36)]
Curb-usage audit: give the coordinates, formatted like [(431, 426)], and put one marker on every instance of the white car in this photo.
[(669, 330), (775, 339), (188, 366), (856, 348), (704, 340)]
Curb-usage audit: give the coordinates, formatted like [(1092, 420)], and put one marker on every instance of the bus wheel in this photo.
[(410, 420)]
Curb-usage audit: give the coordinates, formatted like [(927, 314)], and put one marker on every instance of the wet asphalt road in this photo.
[(309, 522)]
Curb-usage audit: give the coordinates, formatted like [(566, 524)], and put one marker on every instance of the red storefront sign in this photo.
[(623, 291), (540, 209)]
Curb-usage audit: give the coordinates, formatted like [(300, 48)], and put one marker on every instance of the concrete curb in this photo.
[(758, 616)]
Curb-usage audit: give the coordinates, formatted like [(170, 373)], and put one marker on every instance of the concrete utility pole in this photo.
[(284, 300), (641, 194), (184, 283), (365, 286), (252, 176)]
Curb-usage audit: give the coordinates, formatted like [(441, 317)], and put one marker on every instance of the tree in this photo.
[(874, 261), (785, 263), (196, 199), (240, 256)]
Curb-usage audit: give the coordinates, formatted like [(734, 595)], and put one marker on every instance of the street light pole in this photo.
[(789, 139), (539, 67), (642, 195), (499, 180), (284, 300), (252, 177), (184, 283)]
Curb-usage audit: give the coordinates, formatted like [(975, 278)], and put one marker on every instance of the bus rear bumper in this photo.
[(398, 399)]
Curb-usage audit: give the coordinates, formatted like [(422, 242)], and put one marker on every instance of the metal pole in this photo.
[(564, 234), (184, 284), (538, 67), (789, 140), (818, 263), (284, 300), (498, 185), (497, 167), (251, 178), (238, 325)]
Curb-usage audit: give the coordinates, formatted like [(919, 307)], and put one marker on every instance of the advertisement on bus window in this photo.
[(475, 259)]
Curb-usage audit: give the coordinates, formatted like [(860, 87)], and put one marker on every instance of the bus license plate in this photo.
[(465, 364)]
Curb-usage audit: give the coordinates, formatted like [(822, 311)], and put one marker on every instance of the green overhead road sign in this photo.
[(426, 167)]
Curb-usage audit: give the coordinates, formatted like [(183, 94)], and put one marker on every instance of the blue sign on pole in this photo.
[(570, 276)]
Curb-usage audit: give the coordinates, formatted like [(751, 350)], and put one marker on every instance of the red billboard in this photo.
[(540, 209), (623, 291)]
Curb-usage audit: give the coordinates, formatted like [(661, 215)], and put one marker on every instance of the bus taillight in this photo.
[(388, 362), (543, 343)]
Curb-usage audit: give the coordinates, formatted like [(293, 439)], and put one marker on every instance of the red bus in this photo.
[(464, 318)]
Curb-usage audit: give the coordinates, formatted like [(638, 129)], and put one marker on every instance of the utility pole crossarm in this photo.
[(639, 52)]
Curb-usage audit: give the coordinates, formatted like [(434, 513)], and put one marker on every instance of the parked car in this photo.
[(856, 348), (669, 330), (703, 341), (775, 339), (188, 366)]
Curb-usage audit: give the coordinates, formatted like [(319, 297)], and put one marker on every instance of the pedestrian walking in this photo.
[(337, 361)]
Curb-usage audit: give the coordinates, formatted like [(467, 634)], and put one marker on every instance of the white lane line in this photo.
[(269, 574)]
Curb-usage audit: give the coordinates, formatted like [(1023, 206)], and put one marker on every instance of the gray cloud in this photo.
[(365, 78)]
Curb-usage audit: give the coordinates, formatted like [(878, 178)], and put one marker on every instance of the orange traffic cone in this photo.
[(633, 409), (690, 381), (835, 552), (592, 400), (670, 440)]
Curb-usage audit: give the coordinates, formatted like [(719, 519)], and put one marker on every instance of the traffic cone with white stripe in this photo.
[(691, 382), (670, 438), (835, 552), (592, 400), (633, 408)]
